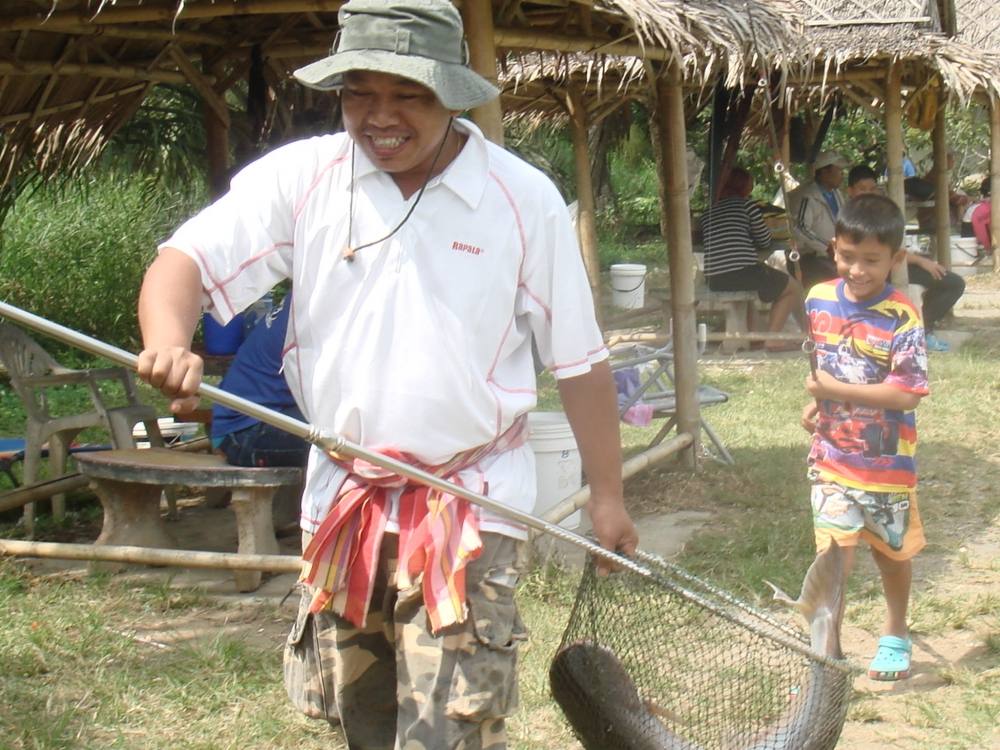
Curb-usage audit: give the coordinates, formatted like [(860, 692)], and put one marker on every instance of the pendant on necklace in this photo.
[(349, 254)]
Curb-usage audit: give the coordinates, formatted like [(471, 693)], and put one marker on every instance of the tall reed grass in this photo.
[(76, 253)]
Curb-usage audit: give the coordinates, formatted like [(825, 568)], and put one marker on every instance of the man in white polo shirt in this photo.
[(424, 261)]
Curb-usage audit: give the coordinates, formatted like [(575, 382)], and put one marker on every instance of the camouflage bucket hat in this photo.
[(416, 39)]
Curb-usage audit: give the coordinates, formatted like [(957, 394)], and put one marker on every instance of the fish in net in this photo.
[(666, 661)]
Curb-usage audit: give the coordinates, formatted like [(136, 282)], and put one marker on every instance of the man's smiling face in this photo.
[(397, 122)]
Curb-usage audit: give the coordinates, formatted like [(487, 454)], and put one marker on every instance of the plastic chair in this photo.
[(33, 372), (656, 389)]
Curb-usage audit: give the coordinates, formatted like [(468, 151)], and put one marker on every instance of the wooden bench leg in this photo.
[(255, 530), (131, 517)]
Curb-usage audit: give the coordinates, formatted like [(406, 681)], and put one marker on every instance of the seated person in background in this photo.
[(943, 288), (733, 230), (255, 374), (922, 189), (980, 219), (813, 209)]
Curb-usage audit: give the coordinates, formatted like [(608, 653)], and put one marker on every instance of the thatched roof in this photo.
[(979, 27), (979, 23), (72, 71), (915, 32)]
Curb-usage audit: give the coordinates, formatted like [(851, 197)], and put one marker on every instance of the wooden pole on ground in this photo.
[(631, 467), (894, 154), (676, 213), (477, 17), (942, 208), (586, 222), (152, 556), (995, 180)]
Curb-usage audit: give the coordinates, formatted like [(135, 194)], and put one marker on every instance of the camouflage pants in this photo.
[(400, 687)]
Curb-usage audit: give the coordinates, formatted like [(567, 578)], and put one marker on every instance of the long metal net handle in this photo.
[(786, 635), (334, 444)]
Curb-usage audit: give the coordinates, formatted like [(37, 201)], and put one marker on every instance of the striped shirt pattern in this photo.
[(733, 230), (880, 340)]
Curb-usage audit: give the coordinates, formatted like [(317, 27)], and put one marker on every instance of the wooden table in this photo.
[(129, 484)]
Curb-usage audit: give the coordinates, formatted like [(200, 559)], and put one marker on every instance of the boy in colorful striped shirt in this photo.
[(871, 374)]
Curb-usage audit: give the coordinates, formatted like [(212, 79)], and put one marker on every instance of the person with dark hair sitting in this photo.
[(255, 374), (943, 287), (733, 230)]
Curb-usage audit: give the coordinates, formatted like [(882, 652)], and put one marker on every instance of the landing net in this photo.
[(670, 661)]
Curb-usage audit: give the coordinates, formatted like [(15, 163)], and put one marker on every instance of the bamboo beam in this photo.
[(586, 222), (201, 84), (170, 13), (894, 153), (630, 468), (126, 72), (100, 29), (477, 16), (865, 104), (539, 40), (942, 207), (20, 496), (995, 180), (676, 213), (178, 558)]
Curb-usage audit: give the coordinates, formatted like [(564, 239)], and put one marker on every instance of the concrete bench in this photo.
[(739, 308), (129, 484)]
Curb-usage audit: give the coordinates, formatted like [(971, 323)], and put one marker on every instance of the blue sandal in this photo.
[(892, 660)]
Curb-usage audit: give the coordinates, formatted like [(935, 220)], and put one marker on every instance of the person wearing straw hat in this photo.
[(425, 261)]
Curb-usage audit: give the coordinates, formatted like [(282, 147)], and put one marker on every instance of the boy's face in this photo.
[(397, 122), (865, 266)]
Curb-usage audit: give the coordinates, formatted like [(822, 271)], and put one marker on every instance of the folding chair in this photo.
[(33, 372), (656, 389)]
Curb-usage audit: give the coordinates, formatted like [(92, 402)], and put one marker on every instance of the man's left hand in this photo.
[(613, 528)]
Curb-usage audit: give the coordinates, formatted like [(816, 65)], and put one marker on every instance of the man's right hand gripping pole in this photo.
[(169, 308)]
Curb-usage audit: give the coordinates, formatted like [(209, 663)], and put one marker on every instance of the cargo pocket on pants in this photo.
[(308, 665), (485, 678)]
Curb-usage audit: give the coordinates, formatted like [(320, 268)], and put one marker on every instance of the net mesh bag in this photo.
[(670, 661)]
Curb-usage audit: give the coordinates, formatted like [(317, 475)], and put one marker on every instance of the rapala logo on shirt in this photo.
[(465, 247)]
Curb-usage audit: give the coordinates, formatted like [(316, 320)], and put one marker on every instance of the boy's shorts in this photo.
[(888, 521)]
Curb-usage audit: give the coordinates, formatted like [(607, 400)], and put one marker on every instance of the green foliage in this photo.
[(548, 148), (76, 254), (164, 139)]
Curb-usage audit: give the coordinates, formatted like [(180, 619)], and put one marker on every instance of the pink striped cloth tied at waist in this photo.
[(438, 535)]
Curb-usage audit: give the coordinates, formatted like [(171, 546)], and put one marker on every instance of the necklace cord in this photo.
[(350, 251)]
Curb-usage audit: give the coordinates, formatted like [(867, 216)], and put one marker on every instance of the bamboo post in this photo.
[(995, 180), (586, 222), (942, 172), (216, 148), (477, 17), (676, 212), (894, 154)]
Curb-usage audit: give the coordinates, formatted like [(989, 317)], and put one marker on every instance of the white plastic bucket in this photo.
[(964, 250), (558, 471), (628, 285)]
